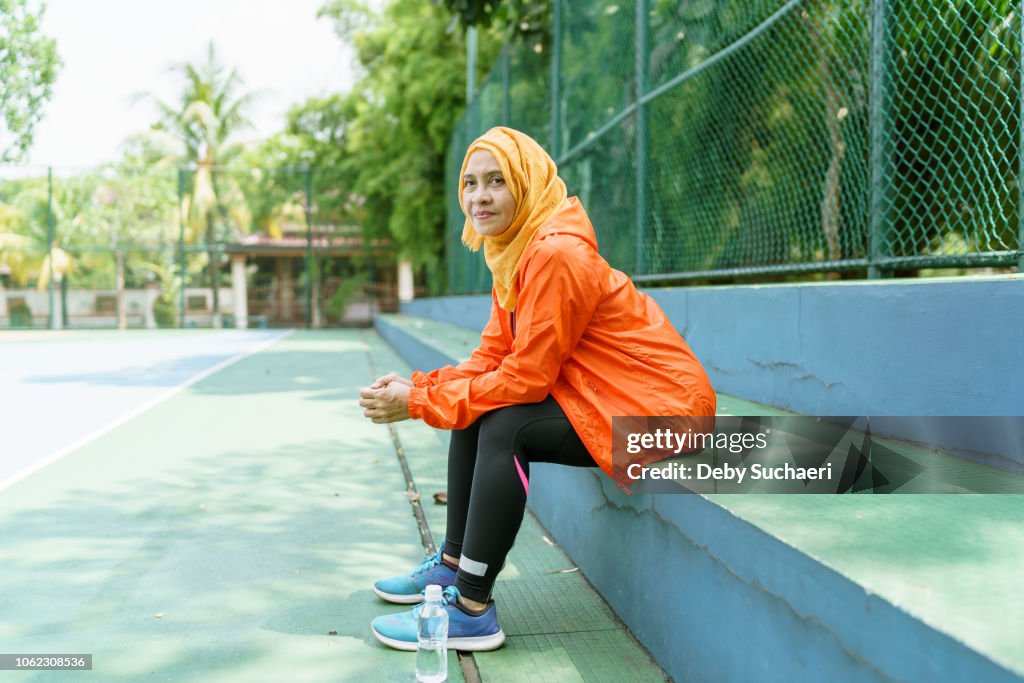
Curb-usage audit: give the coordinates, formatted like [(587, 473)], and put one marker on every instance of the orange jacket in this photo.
[(582, 333)]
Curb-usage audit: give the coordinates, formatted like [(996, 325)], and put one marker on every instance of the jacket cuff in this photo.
[(417, 402)]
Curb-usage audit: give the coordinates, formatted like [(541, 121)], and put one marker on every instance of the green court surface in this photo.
[(231, 532)]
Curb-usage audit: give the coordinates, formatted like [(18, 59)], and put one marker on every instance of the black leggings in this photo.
[(488, 475)]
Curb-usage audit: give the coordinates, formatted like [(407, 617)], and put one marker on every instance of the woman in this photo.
[(569, 344)]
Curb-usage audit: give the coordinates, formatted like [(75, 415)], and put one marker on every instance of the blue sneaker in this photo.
[(467, 632), (407, 589)]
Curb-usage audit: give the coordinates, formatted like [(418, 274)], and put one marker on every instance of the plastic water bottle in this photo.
[(432, 651)]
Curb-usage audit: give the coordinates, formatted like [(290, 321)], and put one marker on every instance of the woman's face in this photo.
[(486, 197)]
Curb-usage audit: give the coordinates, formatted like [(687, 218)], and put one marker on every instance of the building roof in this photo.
[(295, 243)]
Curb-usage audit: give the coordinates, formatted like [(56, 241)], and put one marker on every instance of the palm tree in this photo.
[(25, 251), (201, 126)]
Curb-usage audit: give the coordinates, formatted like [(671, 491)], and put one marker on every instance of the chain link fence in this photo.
[(184, 247), (715, 140)]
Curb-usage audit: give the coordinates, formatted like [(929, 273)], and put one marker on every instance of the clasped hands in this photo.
[(387, 399)]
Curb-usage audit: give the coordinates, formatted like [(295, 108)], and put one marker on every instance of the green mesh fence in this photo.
[(169, 247), (763, 138)]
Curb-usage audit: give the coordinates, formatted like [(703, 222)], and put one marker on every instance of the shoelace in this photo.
[(428, 563), (450, 595)]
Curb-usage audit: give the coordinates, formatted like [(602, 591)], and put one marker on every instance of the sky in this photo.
[(114, 48)]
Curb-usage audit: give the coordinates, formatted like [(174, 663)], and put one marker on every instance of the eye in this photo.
[(497, 180), (470, 183)]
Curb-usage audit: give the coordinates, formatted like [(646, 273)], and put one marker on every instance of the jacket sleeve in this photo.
[(486, 357), (558, 295)]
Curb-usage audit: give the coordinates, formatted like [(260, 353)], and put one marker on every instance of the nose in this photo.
[(482, 195)]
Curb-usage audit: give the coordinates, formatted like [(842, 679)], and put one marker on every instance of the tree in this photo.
[(129, 208), (403, 112), (200, 130), (28, 67), (315, 136), (514, 17), (26, 250)]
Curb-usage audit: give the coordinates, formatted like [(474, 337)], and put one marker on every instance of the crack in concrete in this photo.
[(773, 365), (815, 378), (785, 365)]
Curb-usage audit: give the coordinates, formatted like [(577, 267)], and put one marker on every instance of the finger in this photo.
[(368, 392)]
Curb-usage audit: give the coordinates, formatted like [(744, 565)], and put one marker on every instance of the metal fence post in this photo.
[(556, 68), (877, 232), (641, 132), (181, 247), (506, 105), (1020, 138), (471, 49), (49, 245), (309, 247)]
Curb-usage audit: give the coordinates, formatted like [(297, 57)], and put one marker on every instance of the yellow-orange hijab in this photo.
[(532, 178)]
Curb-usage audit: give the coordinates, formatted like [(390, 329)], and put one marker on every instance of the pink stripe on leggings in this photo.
[(522, 475)]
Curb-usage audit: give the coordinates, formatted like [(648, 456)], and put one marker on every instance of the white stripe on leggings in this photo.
[(472, 566)]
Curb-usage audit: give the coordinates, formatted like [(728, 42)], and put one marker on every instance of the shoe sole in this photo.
[(399, 599), (473, 644), (478, 643)]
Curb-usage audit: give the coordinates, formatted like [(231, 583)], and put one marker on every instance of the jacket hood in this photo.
[(570, 219)]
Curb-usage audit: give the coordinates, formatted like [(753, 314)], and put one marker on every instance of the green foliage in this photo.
[(346, 292), (954, 126), (200, 130), (398, 119), (165, 312), (28, 68), (315, 136), (790, 132), (516, 17), (20, 314), (102, 208), (210, 111)]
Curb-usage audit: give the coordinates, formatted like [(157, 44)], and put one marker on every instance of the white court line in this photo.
[(49, 460)]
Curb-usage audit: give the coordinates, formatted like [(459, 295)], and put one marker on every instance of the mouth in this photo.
[(483, 214)]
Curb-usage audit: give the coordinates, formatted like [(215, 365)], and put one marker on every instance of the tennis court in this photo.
[(198, 505)]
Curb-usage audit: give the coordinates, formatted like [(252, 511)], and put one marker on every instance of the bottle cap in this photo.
[(433, 592)]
